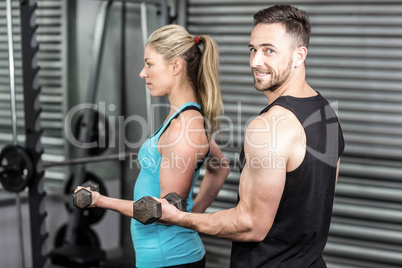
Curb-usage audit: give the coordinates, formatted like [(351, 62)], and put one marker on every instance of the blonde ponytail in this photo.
[(208, 90), (202, 67)]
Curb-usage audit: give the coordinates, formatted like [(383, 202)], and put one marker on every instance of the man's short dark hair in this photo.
[(296, 21)]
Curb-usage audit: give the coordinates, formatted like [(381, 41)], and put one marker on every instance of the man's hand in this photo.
[(170, 214)]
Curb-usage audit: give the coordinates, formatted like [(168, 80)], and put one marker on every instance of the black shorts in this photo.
[(198, 264)]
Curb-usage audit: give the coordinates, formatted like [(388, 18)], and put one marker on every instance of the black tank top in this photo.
[(300, 230)]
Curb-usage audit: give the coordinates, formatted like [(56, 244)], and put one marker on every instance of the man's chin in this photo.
[(261, 88)]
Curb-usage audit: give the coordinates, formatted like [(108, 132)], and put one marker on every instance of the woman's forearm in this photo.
[(210, 186), (124, 207)]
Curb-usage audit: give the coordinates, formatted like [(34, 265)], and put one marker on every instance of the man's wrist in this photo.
[(180, 218)]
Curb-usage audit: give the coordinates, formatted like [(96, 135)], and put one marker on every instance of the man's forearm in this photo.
[(223, 224)]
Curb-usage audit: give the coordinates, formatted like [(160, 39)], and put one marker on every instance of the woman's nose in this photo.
[(142, 73)]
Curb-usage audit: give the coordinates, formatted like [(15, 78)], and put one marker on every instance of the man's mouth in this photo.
[(260, 74)]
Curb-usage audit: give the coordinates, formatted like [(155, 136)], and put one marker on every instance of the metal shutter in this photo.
[(51, 36), (355, 61)]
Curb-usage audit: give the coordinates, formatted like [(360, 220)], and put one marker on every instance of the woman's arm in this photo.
[(217, 170), (121, 206), (181, 147)]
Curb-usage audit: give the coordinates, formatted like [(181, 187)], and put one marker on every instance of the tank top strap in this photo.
[(184, 107), (178, 113)]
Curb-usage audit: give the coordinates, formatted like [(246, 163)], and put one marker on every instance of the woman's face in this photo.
[(157, 73)]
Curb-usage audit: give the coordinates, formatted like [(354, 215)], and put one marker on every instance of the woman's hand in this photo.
[(94, 194)]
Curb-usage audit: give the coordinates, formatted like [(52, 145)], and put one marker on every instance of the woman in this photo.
[(172, 157)]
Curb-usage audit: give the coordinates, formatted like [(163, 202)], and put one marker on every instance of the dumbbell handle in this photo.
[(83, 198)]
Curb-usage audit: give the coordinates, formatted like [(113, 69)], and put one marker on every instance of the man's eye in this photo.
[(253, 50), (270, 51)]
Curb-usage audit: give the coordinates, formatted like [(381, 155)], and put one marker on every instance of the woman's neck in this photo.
[(181, 96)]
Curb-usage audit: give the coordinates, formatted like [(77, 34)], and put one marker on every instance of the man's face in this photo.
[(271, 56)]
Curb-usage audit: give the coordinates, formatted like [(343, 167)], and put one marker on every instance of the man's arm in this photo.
[(267, 146), (337, 170)]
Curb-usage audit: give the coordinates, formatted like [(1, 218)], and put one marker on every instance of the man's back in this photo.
[(300, 229)]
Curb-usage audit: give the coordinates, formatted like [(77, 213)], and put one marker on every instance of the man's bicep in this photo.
[(262, 183)]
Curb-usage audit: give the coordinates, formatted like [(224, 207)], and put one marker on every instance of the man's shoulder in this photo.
[(274, 115), (273, 130)]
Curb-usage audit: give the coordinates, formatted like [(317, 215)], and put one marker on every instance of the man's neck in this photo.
[(295, 86)]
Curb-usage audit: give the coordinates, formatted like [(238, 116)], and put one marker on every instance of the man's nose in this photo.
[(256, 60)]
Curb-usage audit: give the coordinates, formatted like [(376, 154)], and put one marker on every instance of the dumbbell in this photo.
[(147, 210), (83, 198)]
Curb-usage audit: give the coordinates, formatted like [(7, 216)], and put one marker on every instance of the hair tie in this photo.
[(197, 40)]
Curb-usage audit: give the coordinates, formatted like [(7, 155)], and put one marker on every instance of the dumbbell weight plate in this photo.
[(176, 200), (82, 198), (147, 210), (93, 186), (85, 236), (19, 169), (89, 215)]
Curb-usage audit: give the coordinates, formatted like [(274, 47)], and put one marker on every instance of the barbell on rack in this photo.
[(16, 166)]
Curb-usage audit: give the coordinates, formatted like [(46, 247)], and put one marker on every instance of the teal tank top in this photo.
[(158, 245)]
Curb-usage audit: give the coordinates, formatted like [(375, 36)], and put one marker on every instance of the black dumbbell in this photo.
[(83, 198), (147, 210)]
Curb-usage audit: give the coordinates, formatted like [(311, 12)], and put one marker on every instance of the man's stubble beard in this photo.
[(276, 80)]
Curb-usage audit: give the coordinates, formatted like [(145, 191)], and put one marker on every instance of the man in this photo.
[(284, 210)]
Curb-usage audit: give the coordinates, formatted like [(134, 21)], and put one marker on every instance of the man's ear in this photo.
[(177, 66), (300, 56)]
